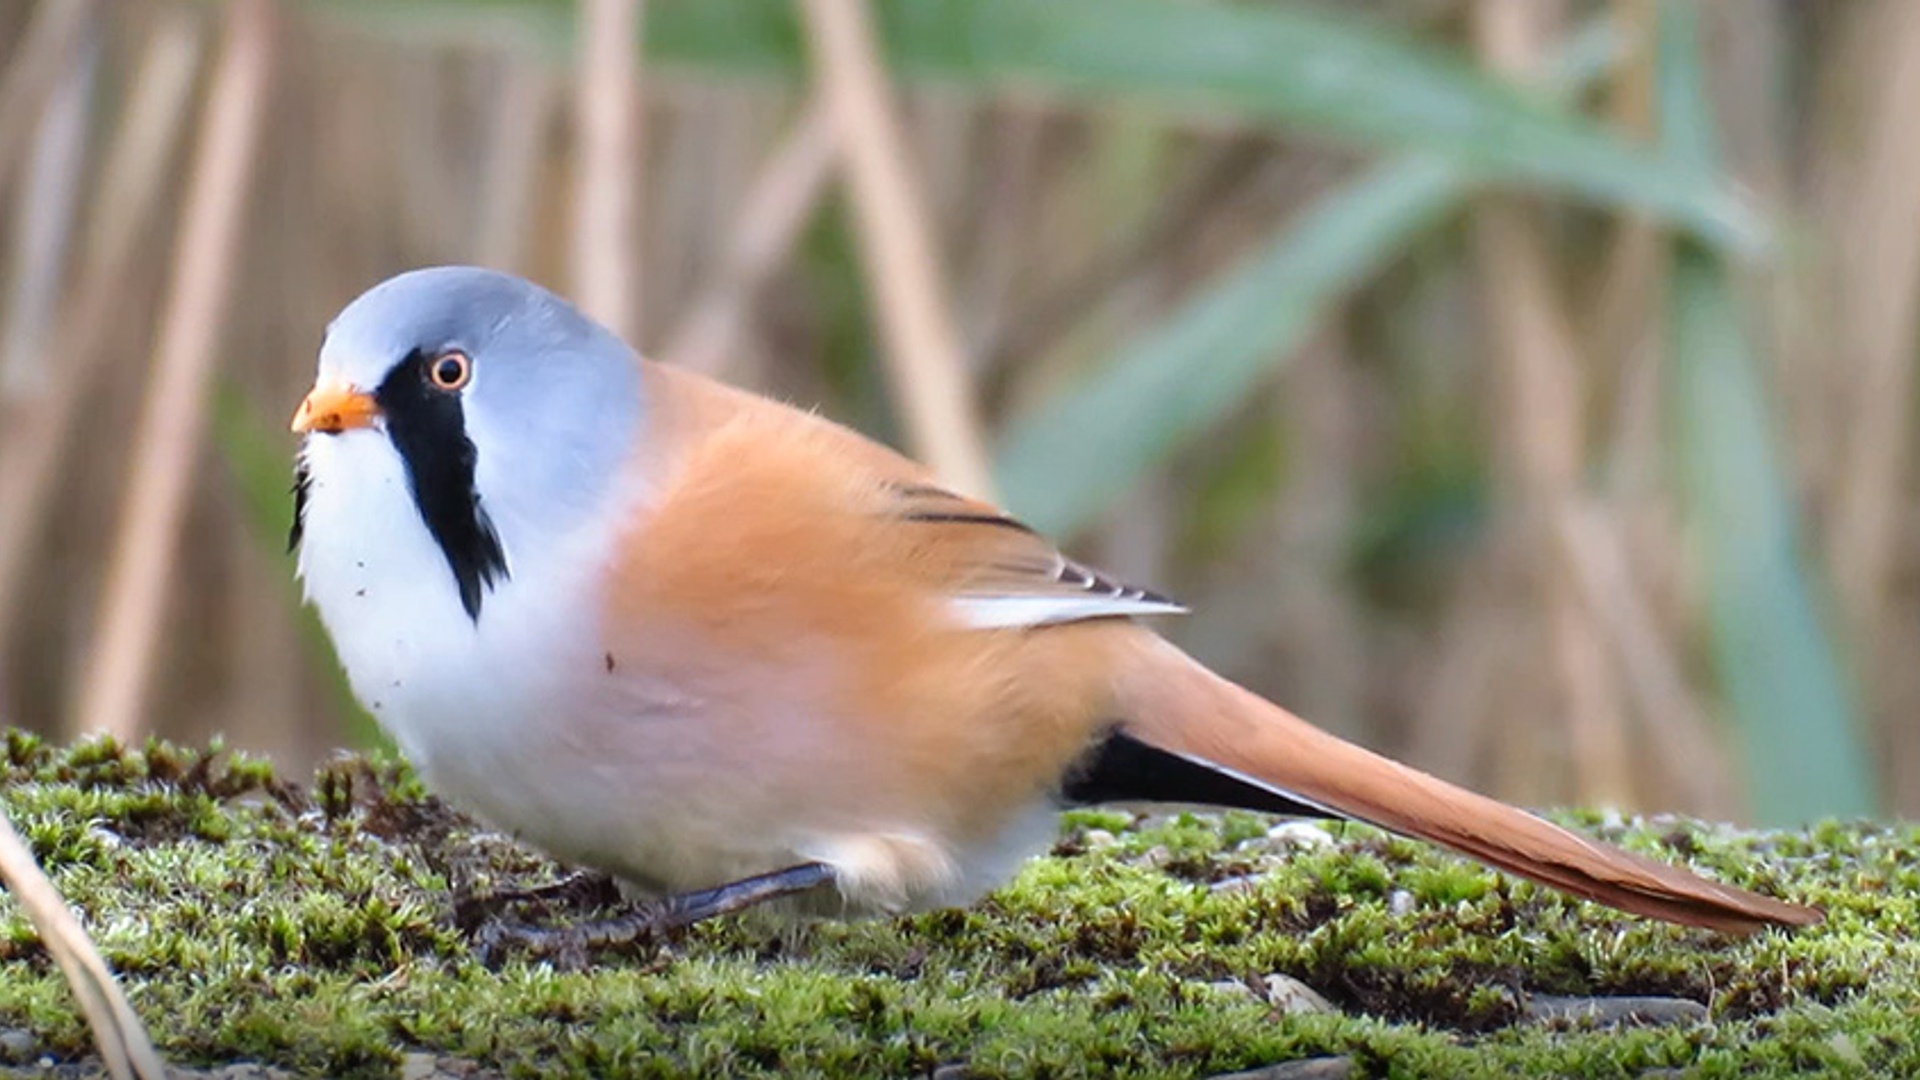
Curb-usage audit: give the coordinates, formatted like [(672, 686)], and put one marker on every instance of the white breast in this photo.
[(460, 697), (521, 717)]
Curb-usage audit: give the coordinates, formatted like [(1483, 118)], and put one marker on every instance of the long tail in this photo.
[(1172, 703)]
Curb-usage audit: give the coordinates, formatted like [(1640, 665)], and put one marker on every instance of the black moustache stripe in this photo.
[(428, 427), (302, 486)]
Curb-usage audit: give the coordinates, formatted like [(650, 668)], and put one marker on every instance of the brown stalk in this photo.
[(1542, 415), (1625, 331), (135, 173), (1038, 326), (1280, 614), (45, 218), (606, 267), (777, 207), (994, 252), (896, 239), (117, 1031), (43, 51), (522, 100), (167, 436), (1314, 520), (1689, 758), (1622, 320), (1478, 640), (1876, 283)]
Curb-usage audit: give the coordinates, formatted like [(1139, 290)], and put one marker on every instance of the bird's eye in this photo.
[(450, 370)]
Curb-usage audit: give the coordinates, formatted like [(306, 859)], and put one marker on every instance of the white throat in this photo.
[(447, 686)]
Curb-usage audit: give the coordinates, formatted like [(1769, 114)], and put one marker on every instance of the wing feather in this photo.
[(1013, 577)]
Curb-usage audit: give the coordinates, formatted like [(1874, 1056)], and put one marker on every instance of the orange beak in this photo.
[(333, 408)]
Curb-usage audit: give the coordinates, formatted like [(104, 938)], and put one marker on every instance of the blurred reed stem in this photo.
[(167, 439), (782, 198), (910, 298), (1542, 416), (33, 69), (132, 180), (1876, 295), (45, 210), (606, 273)]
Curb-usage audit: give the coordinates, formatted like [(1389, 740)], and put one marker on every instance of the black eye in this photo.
[(450, 370)]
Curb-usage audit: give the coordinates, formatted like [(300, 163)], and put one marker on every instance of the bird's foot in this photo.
[(645, 923), (583, 890)]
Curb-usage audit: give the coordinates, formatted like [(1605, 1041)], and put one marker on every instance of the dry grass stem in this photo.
[(117, 1031), (1323, 626), (1622, 322), (523, 101), (995, 252), (131, 182), (1689, 759), (606, 272), (45, 50), (1542, 414), (782, 199), (1456, 722), (166, 441), (1117, 267), (896, 235), (1877, 284), (45, 210)]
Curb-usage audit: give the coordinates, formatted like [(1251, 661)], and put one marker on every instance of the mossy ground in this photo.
[(311, 928)]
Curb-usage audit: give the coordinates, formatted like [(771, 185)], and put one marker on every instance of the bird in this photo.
[(726, 650)]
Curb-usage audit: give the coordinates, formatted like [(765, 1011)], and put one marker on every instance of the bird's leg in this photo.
[(650, 920), (580, 889)]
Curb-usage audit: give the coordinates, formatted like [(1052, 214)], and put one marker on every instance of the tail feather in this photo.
[(1173, 703)]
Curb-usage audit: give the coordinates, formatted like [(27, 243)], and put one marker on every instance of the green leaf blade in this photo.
[(1344, 78), (1066, 462)]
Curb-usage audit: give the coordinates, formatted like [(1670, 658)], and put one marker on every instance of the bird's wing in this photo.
[(997, 572), (1006, 575)]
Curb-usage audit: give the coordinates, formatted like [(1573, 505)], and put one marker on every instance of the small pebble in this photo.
[(1096, 838), (1231, 988), (1615, 1011), (17, 1047), (1320, 1068), (1400, 902), (1293, 997), (1300, 834), (419, 1067)]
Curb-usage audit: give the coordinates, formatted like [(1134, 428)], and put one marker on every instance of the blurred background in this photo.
[(1522, 387)]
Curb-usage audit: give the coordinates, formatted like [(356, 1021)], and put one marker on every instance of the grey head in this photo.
[(512, 412)]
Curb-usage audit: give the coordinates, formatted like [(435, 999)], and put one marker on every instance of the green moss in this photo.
[(313, 929)]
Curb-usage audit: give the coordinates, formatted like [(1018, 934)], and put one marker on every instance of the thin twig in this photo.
[(896, 237), (117, 1030), (606, 267), (782, 199), (167, 438)]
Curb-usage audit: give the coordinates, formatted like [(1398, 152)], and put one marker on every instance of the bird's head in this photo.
[(508, 413)]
